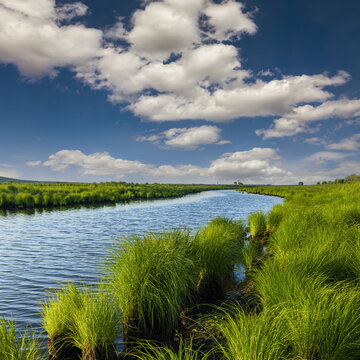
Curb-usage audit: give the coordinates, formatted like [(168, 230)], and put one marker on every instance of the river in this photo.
[(40, 250)]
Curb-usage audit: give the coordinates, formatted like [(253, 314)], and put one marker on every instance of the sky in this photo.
[(180, 91)]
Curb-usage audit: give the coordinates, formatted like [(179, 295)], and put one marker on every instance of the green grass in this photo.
[(97, 323), (325, 323), (58, 309), (256, 337), (274, 218), (249, 254), (151, 276), (151, 351), (257, 224), (86, 318), (15, 347), (218, 247)]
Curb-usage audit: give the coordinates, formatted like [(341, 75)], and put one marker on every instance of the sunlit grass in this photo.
[(150, 277), (253, 336), (257, 224), (14, 346), (218, 247), (151, 351), (97, 323)]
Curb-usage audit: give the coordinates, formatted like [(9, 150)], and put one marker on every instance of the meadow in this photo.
[(15, 196), (174, 294)]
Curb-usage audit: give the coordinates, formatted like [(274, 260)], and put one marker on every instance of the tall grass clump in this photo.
[(26, 346), (249, 254), (150, 351), (96, 325), (253, 336), (151, 276), (57, 314), (274, 218), (217, 247), (325, 324), (257, 224), (295, 231), (81, 322)]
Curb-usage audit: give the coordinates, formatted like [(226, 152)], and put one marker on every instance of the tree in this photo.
[(301, 183), (352, 178)]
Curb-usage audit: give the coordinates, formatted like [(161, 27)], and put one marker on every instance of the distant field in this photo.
[(41, 195)]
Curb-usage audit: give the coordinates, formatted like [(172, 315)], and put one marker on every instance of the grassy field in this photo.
[(44, 195), (300, 299)]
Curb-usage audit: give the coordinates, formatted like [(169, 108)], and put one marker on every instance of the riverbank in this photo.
[(300, 298), (20, 196)]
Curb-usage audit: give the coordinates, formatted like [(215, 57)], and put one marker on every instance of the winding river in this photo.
[(39, 250)]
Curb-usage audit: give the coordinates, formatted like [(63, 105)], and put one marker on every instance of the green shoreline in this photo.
[(22, 196), (300, 298)]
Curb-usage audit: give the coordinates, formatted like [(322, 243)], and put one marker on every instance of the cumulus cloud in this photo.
[(255, 165), (31, 38), (229, 20), (186, 138), (177, 60), (299, 118), (94, 164)]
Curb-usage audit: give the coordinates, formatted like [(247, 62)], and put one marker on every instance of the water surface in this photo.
[(39, 250)]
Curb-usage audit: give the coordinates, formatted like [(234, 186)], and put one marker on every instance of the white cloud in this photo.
[(67, 12), (322, 157), (187, 138), (34, 164), (255, 165), (238, 99), (31, 39), (170, 66), (165, 27), (349, 144), (7, 170), (228, 20), (299, 118), (315, 141), (94, 164)]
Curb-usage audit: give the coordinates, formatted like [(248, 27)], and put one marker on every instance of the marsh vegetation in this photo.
[(169, 291), (16, 196)]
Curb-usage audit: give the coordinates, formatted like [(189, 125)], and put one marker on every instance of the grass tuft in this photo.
[(257, 224), (150, 276), (13, 347)]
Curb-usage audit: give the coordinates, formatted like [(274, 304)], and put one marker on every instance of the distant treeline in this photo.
[(43, 195)]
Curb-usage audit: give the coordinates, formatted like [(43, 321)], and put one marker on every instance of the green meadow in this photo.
[(175, 294), (15, 196)]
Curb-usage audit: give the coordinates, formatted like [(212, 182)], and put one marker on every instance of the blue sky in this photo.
[(180, 90)]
